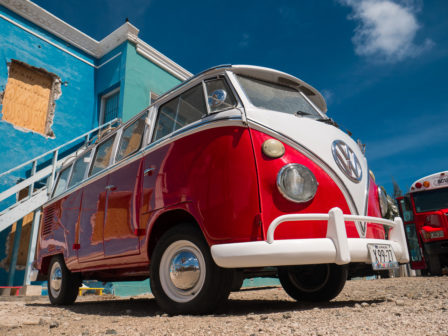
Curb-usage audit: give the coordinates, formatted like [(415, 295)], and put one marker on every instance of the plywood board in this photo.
[(27, 97)]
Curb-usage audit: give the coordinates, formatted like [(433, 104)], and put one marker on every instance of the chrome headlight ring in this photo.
[(384, 205), (296, 183)]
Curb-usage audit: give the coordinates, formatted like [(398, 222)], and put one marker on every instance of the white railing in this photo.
[(49, 172), (38, 196)]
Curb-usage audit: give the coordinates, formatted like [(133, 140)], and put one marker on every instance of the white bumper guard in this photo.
[(335, 248)]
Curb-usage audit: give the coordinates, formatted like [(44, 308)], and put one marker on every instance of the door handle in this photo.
[(148, 171), (111, 187)]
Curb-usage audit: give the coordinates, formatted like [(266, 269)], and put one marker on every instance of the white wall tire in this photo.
[(63, 285), (182, 281), (183, 276)]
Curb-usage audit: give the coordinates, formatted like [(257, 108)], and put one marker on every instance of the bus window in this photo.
[(220, 96), (406, 208), (431, 200), (166, 119), (191, 107), (102, 156), (414, 246), (62, 182), (79, 169), (131, 138), (177, 113)]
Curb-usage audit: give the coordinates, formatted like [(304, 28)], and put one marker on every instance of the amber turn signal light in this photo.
[(273, 148)]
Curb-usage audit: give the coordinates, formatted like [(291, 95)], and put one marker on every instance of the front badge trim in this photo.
[(347, 161), (349, 164)]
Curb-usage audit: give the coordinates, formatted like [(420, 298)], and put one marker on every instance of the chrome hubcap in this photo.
[(185, 270), (182, 271), (55, 279)]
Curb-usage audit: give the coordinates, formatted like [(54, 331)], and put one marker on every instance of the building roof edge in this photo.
[(161, 60), (82, 41)]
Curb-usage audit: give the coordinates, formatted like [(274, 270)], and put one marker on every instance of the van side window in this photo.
[(79, 168), (102, 156), (191, 107), (62, 182), (131, 138), (166, 119), (219, 95), (181, 111)]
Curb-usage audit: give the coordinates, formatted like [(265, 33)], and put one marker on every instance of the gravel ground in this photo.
[(398, 306)]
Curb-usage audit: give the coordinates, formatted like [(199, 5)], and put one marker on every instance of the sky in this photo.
[(382, 65)]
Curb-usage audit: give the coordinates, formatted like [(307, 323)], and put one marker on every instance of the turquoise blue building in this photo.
[(57, 83)]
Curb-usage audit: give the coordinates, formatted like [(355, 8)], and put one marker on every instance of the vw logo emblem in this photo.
[(346, 160)]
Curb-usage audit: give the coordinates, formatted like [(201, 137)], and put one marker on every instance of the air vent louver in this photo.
[(47, 224)]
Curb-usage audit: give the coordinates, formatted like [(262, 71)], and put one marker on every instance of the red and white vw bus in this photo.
[(425, 214), (237, 172)]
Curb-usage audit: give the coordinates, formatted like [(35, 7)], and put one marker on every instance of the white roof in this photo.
[(436, 181)]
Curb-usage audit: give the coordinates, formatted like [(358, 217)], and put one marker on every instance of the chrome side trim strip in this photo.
[(181, 133), (191, 129)]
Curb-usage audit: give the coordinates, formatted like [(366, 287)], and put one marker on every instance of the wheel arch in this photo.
[(43, 272), (165, 222)]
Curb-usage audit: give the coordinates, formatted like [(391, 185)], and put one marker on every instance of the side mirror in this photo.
[(217, 98)]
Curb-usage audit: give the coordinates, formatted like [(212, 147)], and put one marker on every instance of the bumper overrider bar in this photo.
[(335, 248)]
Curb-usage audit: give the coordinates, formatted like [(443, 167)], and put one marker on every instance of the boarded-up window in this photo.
[(28, 101)]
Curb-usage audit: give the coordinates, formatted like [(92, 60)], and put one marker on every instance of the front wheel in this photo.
[(433, 264), (63, 285), (184, 277), (314, 283)]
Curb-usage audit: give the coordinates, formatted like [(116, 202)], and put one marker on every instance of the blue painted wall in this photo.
[(78, 107), (85, 79), (109, 76), (74, 110)]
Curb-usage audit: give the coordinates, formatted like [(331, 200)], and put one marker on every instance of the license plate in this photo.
[(436, 234), (382, 257)]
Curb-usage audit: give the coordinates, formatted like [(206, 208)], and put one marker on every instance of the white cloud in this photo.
[(386, 29), (328, 95)]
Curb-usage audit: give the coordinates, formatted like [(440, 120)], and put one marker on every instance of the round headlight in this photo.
[(384, 207), (296, 183)]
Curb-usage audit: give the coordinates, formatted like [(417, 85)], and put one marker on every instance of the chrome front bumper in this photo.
[(335, 248)]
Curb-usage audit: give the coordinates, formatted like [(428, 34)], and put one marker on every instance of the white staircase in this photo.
[(38, 186)]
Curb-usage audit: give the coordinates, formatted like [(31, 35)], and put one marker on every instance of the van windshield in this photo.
[(277, 97)]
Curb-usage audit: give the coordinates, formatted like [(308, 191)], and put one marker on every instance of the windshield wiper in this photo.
[(332, 122), (328, 121), (301, 113)]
